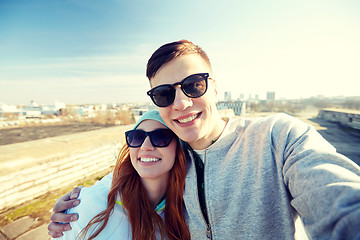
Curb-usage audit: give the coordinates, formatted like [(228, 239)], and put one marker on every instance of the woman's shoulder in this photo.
[(93, 200)]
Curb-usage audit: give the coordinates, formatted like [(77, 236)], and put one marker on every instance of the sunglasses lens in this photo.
[(163, 96), (135, 138), (161, 137), (158, 138), (194, 86)]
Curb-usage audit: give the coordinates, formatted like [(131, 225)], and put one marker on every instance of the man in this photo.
[(246, 179)]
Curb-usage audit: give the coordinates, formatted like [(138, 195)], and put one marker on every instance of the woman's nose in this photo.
[(147, 145)]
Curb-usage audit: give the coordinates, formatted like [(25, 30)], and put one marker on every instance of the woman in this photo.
[(150, 170)]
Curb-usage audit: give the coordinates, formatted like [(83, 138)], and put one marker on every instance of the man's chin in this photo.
[(189, 138)]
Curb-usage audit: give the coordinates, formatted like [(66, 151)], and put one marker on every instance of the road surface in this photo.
[(346, 140)]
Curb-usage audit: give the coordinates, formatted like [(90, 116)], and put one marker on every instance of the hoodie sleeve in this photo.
[(324, 185)]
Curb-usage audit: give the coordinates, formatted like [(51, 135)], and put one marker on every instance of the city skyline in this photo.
[(95, 52)]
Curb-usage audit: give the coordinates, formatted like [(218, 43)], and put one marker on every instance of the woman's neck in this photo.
[(156, 190)]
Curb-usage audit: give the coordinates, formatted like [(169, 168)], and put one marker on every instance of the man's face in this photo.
[(191, 119)]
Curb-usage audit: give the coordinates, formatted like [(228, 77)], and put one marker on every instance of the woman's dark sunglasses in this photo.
[(158, 138), (193, 86)]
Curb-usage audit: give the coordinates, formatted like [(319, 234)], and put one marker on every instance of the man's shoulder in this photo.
[(270, 120), (263, 126)]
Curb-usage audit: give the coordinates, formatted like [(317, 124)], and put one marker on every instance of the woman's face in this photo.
[(153, 162)]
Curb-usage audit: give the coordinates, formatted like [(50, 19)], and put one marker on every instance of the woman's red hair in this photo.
[(141, 215)]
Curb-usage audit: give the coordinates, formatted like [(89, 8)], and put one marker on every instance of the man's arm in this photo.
[(324, 185), (59, 219)]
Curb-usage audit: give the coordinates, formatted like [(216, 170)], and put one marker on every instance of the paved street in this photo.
[(346, 140), (23, 134)]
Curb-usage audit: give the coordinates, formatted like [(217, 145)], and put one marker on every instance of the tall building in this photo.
[(270, 96), (227, 96)]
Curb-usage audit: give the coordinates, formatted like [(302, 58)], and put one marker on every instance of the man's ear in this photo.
[(215, 87)]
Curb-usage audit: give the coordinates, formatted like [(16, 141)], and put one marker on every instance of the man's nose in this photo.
[(181, 101)]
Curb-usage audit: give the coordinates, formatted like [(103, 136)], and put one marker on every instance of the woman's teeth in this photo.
[(188, 119), (149, 159)]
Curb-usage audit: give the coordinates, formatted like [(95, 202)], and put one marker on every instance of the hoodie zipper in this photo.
[(200, 167), (208, 231), (208, 226)]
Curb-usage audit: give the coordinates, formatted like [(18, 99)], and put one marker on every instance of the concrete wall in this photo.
[(345, 117), (30, 169)]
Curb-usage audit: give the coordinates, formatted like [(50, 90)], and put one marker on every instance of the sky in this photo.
[(95, 51)]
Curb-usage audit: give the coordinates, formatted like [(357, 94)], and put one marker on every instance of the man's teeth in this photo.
[(188, 119), (149, 159)]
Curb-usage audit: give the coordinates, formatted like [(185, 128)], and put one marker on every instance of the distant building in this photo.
[(239, 107), (53, 108), (31, 113), (6, 110), (139, 111), (270, 96), (227, 96), (33, 110), (85, 110), (252, 99)]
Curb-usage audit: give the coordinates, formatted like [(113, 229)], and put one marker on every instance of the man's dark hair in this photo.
[(170, 51)]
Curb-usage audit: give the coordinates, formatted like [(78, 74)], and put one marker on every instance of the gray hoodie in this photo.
[(262, 174)]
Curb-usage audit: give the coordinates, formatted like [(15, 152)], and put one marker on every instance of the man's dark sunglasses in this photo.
[(193, 86), (158, 138)]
